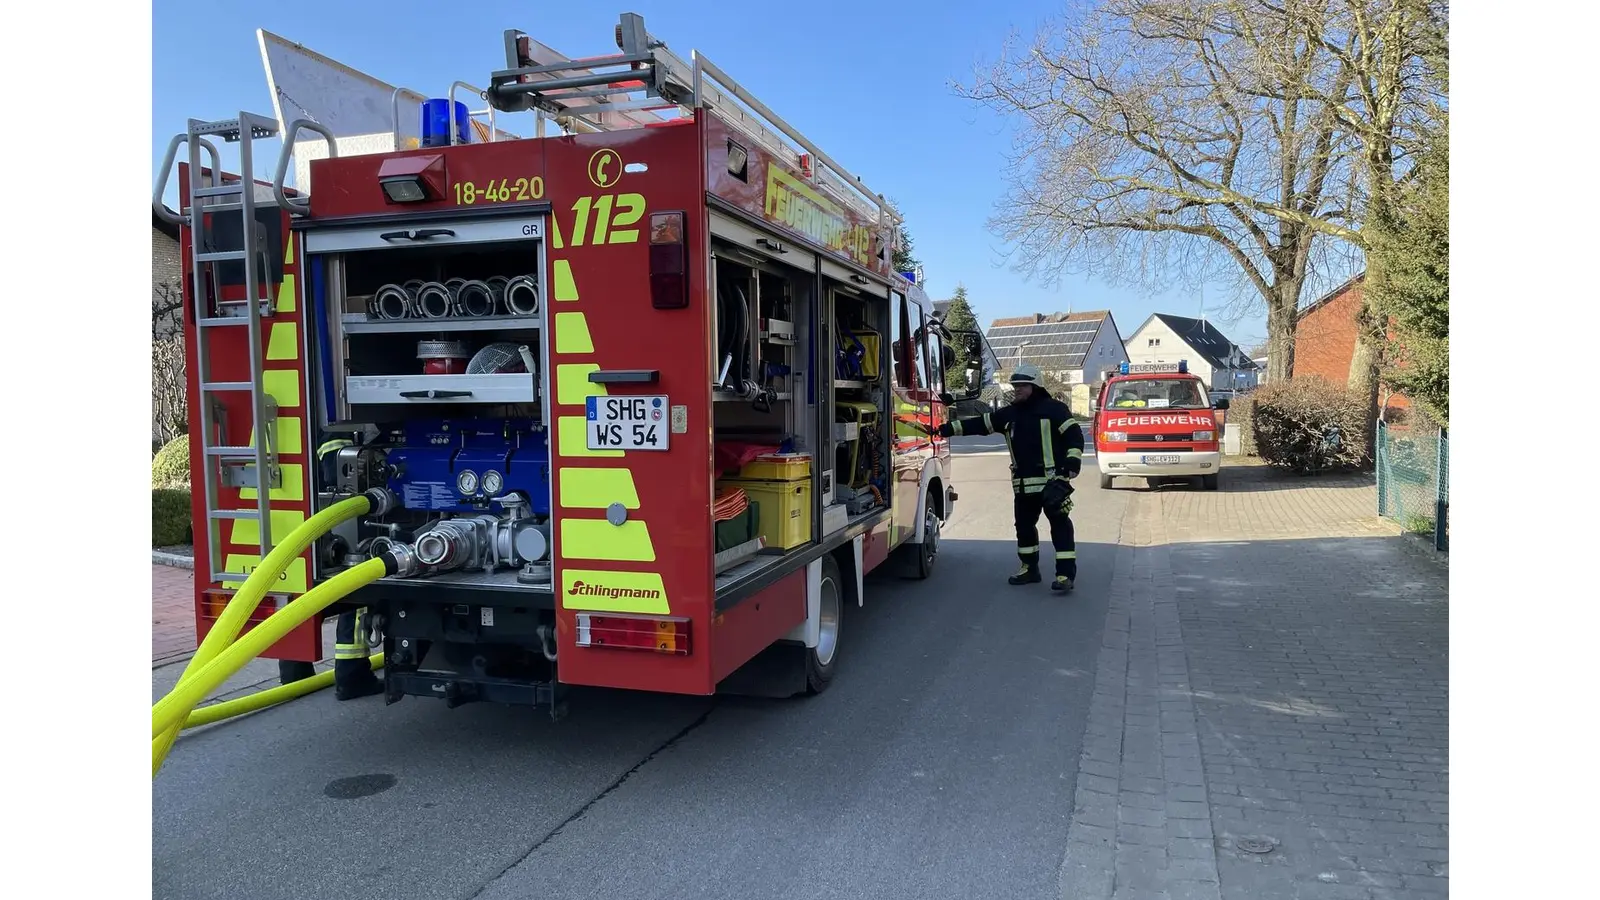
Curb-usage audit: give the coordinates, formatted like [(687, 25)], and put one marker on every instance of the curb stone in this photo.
[(173, 560)]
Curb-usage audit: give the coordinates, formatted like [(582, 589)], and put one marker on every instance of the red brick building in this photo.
[(1325, 337)]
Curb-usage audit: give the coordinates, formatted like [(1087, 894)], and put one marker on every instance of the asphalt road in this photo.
[(941, 763)]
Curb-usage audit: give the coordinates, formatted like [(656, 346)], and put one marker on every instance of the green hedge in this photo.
[(171, 465), (170, 516)]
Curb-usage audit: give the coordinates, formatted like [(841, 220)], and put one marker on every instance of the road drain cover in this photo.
[(358, 786), (1256, 845)]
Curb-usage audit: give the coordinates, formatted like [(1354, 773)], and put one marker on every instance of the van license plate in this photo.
[(627, 423), (1166, 460)]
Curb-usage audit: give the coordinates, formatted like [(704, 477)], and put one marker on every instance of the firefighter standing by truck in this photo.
[(352, 661), (1046, 446)]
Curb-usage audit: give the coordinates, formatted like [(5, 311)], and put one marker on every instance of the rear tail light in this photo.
[(214, 602), (662, 634), (669, 261)]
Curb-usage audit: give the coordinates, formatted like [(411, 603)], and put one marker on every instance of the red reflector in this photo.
[(663, 635), (669, 261)]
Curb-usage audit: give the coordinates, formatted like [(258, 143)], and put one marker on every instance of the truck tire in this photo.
[(823, 660), (919, 558), (1105, 482), (1209, 482)]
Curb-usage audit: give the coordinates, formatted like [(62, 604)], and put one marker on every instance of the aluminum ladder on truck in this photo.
[(224, 464)]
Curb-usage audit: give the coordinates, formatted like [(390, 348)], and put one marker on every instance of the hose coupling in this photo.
[(382, 500), (402, 558)]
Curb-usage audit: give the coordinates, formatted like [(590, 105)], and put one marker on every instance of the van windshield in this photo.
[(1158, 393)]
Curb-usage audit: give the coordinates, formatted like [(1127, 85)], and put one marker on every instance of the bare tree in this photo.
[(1161, 138), (169, 400)]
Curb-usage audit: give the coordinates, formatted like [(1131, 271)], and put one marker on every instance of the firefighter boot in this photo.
[(1028, 574), (1062, 583), (352, 668)]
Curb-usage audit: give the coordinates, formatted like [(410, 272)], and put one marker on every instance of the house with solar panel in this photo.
[(1218, 361), (1069, 348)]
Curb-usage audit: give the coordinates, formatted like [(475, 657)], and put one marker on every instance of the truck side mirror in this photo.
[(1222, 403)]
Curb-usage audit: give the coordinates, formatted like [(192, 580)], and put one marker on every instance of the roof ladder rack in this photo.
[(592, 95)]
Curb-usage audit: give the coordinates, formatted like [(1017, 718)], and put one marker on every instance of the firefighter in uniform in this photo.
[(1046, 446), (352, 664)]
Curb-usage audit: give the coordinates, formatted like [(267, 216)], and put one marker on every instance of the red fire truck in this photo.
[(1156, 420), (643, 395)]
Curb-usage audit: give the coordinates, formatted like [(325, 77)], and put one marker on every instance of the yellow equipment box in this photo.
[(785, 509), (778, 467)]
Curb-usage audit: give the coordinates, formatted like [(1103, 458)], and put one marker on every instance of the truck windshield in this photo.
[(1158, 393)]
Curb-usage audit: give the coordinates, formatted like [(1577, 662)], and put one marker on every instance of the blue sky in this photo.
[(871, 84)]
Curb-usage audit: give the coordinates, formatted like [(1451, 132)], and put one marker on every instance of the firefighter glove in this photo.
[(1056, 493), (945, 429)]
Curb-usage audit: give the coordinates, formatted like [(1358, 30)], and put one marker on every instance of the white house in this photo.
[(1219, 362), (1071, 347)]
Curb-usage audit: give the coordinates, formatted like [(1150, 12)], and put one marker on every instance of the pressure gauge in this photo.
[(492, 483), (467, 482)]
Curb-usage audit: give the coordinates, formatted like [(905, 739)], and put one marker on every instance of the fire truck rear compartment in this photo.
[(435, 356)]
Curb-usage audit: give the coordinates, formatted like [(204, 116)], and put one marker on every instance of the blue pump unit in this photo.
[(464, 466)]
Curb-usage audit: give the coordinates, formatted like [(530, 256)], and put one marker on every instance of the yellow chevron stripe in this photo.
[(284, 342), (293, 490), (292, 581), (599, 539), (286, 295), (587, 487), (572, 333), (247, 532), (572, 439), (284, 386), (566, 288), (573, 387), (290, 439)]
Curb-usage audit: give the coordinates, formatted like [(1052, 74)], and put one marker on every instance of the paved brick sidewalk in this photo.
[(1274, 676), (172, 614)]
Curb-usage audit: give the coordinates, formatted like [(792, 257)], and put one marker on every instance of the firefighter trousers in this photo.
[(352, 666), (1028, 508)]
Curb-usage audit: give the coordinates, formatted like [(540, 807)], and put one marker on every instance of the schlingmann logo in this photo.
[(585, 589)]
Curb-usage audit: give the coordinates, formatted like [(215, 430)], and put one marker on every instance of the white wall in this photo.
[(1170, 349), (1105, 353)]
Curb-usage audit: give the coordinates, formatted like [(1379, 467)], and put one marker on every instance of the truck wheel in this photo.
[(1105, 482), (290, 671), (921, 557), (1209, 482), (823, 659)]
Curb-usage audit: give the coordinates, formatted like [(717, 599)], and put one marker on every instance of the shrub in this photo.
[(171, 465), (1239, 413), (1309, 425), (170, 516)]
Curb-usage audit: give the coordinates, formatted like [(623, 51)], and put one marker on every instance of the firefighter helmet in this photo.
[(1026, 373)]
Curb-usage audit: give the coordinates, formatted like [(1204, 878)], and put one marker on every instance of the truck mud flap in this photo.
[(455, 689)]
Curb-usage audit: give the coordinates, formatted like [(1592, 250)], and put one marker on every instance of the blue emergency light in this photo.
[(436, 123)]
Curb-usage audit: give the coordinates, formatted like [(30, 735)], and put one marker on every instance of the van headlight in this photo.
[(1115, 437), (1205, 435)]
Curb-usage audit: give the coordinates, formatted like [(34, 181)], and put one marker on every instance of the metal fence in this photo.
[(1414, 479)]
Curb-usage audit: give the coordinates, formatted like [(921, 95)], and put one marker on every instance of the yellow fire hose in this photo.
[(216, 712), (203, 670)]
